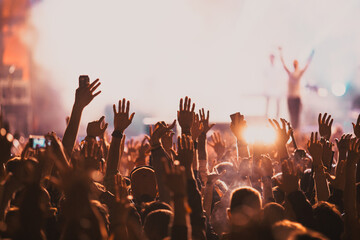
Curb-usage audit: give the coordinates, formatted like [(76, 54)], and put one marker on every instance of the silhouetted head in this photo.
[(328, 220), (283, 229), (156, 224), (272, 213), (153, 206), (245, 206), (143, 184), (296, 64)]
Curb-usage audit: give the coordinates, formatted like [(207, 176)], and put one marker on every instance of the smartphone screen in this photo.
[(38, 142)]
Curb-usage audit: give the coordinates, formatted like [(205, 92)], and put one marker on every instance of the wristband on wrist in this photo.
[(117, 134), (195, 145)]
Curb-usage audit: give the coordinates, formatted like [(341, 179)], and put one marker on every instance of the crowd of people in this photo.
[(166, 188)]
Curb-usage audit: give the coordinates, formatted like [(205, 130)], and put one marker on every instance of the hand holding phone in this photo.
[(84, 80)]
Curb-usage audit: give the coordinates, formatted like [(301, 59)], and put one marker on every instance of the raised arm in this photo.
[(308, 62), (316, 151), (351, 219), (83, 96), (121, 121), (282, 61)]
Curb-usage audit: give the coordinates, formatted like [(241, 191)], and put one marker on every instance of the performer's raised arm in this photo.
[(308, 62), (282, 61)]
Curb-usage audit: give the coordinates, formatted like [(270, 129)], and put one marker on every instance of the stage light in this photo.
[(260, 133), (322, 92), (338, 89)]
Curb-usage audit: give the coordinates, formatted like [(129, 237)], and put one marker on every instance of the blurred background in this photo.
[(155, 52)]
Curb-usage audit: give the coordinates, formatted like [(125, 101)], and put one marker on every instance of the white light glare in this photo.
[(258, 133), (338, 89)]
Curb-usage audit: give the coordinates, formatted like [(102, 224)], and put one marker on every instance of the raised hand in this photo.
[(290, 180), (205, 120), (160, 129), (338, 181), (238, 126), (196, 128), (96, 128), (167, 141), (132, 146), (356, 127), (84, 95), (218, 144), (354, 151), (266, 166), (315, 149), (121, 117), (325, 126), (344, 143), (327, 156), (186, 115), (185, 152), (282, 133), (175, 178)]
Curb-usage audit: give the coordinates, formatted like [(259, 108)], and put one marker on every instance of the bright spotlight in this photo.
[(338, 89), (259, 133)]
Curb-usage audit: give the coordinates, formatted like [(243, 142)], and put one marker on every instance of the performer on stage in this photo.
[(294, 91)]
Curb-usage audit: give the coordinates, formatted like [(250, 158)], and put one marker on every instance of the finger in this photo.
[(123, 105), (95, 87), (319, 119), (132, 116), (331, 122), (283, 123), (316, 137), (207, 115), (276, 123), (95, 94), (188, 105), (324, 118), (353, 124), (93, 83), (181, 104), (193, 107), (358, 120), (114, 109), (127, 107), (172, 125), (119, 111), (185, 103), (271, 123), (312, 137), (328, 120)]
